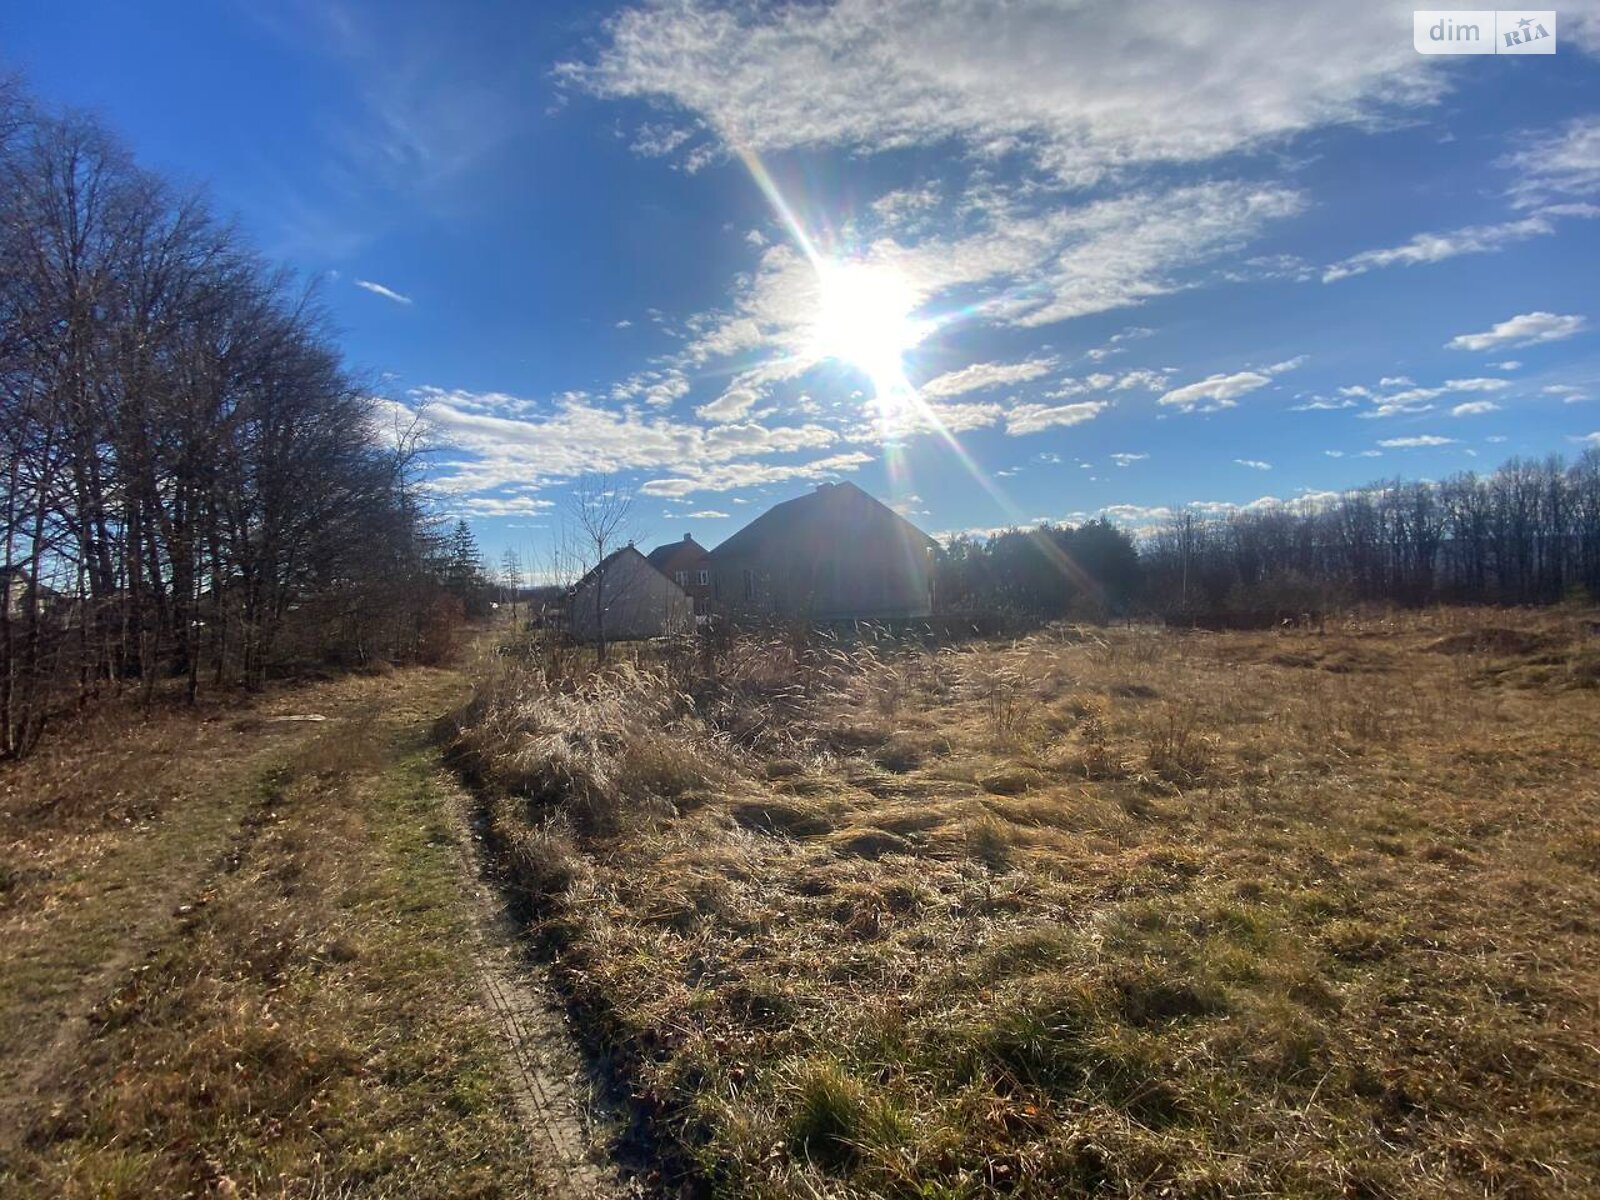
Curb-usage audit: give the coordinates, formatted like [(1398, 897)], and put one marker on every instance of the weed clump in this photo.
[(607, 751)]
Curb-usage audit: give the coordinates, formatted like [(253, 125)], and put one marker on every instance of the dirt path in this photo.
[(337, 851), (558, 1099)]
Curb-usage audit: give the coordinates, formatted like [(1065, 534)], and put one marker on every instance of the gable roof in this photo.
[(617, 557), (659, 557), (844, 506)]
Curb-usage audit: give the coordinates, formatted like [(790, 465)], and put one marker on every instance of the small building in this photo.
[(14, 584), (624, 599), (687, 564), (833, 554)]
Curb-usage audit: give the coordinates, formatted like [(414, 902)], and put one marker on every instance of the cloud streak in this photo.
[(1528, 329), (1223, 390), (377, 289), (1436, 247)]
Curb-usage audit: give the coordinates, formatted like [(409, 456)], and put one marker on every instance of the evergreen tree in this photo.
[(463, 570)]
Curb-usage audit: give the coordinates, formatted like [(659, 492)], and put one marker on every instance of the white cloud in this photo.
[(624, 324), (574, 436), (1222, 390), (1033, 418), (958, 418), (982, 376), (1525, 330), (1117, 344), (1473, 408), (1255, 464), (1568, 393), (1436, 247), (1013, 262), (1151, 381), (1124, 459), (742, 475), (706, 514), (1400, 406), (872, 75), (1409, 443), (1509, 364), (730, 406), (500, 506), (659, 388), (1566, 164), (1592, 439), (1415, 399), (377, 289), (904, 206)]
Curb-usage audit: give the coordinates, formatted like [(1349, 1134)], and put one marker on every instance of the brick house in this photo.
[(687, 564)]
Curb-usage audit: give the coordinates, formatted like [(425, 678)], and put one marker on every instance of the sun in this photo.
[(864, 319)]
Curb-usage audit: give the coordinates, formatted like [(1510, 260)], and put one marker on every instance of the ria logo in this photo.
[(1527, 31), (1484, 31)]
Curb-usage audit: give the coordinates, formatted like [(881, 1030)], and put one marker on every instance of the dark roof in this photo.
[(659, 556), (840, 507)]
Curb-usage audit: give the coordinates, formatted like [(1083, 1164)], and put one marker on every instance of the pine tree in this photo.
[(463, 568)]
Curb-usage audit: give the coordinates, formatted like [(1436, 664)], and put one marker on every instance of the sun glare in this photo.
[(864, 319)]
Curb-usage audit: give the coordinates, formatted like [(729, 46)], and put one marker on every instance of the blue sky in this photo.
[(994, 267)]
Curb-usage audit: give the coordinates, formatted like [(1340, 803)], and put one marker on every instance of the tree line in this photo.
[(1051, 571), (193, 486), (1527, 533)]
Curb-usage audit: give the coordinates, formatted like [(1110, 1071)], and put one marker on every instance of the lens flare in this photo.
[(864, 319)]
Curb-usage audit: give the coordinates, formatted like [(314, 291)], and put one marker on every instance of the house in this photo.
[(624, 598), (833, 554), (14, 581), (686, 564), (24, 599)]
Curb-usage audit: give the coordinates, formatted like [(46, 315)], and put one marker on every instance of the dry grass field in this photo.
[(235, 959), (1110, 912)]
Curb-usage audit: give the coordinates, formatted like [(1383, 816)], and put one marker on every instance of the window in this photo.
[(705, 578), (680, 577)]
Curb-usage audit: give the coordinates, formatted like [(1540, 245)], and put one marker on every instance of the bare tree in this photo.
[(511, 578), (188, 474), (599, 522)]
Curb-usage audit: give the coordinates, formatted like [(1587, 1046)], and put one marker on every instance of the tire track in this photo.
[(558, 1100)]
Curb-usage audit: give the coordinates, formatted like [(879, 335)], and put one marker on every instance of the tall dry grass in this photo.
[(1121, 912)]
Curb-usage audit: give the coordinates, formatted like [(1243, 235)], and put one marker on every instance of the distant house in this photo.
[(833, 554), (23, 599), (14, 583), (687, 564), (624, 598)]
